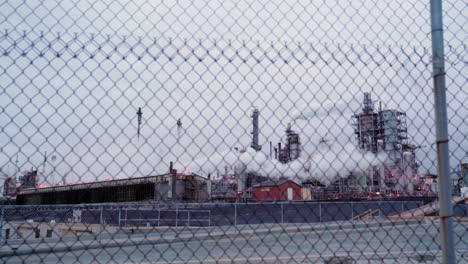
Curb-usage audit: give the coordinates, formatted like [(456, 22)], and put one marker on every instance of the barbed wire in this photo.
[(226, 132)]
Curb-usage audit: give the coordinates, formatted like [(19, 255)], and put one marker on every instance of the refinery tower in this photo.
[(385, 131)]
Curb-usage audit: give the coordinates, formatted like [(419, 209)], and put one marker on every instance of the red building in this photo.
[(281, 190)]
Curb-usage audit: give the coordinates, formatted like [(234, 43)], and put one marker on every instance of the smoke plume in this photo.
[(326, 164), (323, 157)]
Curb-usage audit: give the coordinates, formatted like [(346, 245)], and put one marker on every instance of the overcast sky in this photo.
[(76, 95)]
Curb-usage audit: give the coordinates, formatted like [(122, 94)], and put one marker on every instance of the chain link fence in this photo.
[(230, 132)]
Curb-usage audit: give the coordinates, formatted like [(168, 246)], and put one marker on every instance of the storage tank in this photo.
[(409, 173)]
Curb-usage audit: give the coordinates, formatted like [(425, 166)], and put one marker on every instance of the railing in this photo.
[(205, 214), (192, 218), (366, 214)]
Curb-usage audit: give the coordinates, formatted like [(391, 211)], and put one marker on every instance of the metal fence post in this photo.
[(282, 213), (380, 209), (235, 214), (101, 220), (120, 215), (1, 225), (188, 217), (159, 217), (176, 215), (440, 105), (320, 212)]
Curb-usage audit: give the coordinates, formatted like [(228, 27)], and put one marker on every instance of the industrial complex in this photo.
[(381, 131), (174, 186), (376, 131)]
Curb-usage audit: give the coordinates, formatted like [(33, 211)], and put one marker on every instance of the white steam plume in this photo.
[(324, 165), (307, 112), (323, 162)]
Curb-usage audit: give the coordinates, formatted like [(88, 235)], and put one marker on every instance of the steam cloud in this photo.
[(326, 164), (308, 112), (323, 162)]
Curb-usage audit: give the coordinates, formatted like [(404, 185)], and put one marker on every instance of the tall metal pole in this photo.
[(235, 215), (101, 217), (2, 212), (443, 166)]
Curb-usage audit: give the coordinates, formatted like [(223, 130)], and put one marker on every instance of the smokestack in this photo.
[(293, 144), (255, 131), (276, 153), (368, 104)]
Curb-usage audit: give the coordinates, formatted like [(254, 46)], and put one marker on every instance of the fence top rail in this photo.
[(201, 204), (164, 219), (155, 209)]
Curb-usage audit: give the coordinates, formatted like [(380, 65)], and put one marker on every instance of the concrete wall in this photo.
[(38, 230)]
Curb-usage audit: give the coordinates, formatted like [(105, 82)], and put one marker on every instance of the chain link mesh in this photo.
[(227, 132)]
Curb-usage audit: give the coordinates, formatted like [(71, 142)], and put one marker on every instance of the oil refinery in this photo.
[(381, 133)]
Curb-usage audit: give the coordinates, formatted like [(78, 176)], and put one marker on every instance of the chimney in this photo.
[(255, 132)]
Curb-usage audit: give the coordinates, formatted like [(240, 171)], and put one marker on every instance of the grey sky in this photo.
[(82, 110)]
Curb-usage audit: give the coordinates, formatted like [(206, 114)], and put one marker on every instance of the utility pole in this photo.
[(440, 105)]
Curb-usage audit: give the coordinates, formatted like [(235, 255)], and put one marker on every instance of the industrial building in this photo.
[(9, 187), (224, 187), (292, 150), (464, 174), (29, 179), (281, 190), (386, 131), (376, 131), (172, 186), (380, 132)]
